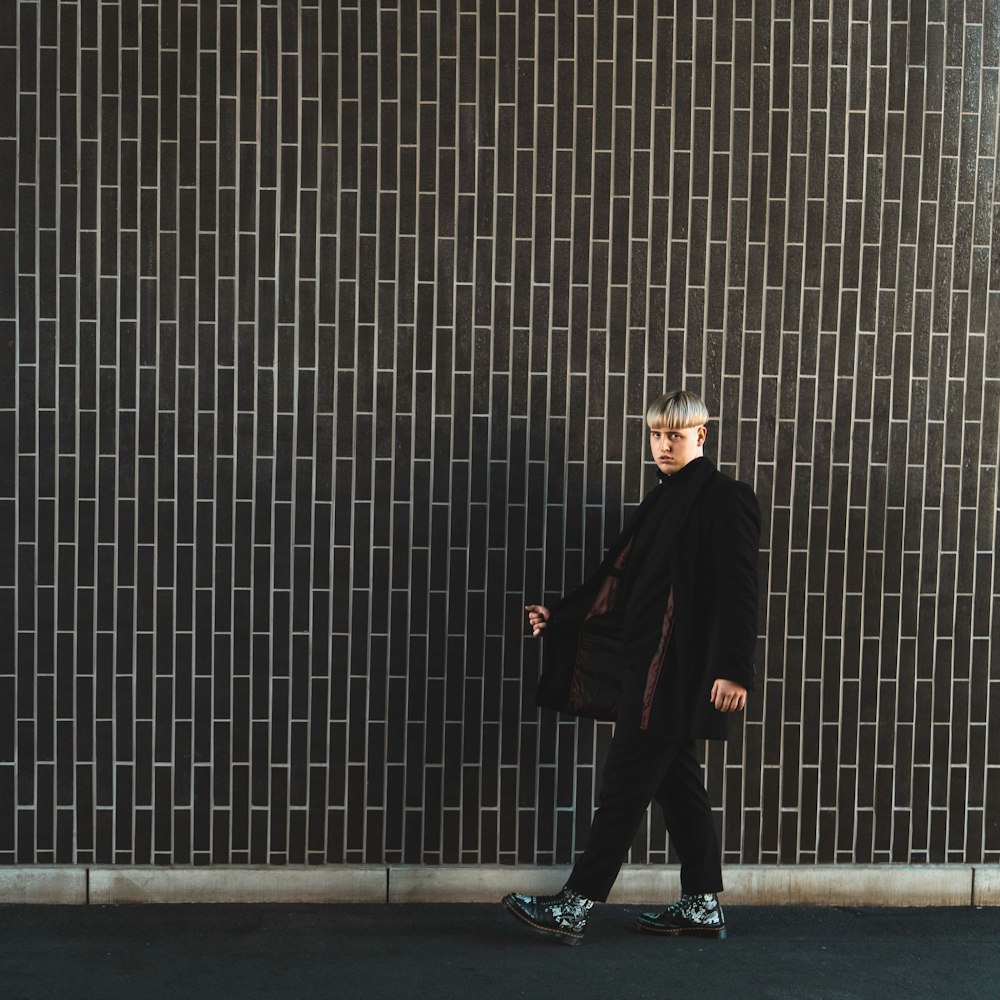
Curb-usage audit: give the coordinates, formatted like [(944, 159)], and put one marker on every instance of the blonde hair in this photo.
[(676, 410)]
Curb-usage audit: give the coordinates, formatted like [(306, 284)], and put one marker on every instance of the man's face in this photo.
[(673, 449)]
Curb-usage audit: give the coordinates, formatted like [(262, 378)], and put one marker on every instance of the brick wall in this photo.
[(325, 337)]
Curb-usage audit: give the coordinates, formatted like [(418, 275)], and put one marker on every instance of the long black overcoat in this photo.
[(599, 662)]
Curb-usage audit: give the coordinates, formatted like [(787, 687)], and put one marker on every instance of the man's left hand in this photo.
[(728, 696)]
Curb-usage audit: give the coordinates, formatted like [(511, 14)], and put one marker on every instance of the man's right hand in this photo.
[(538, 616)]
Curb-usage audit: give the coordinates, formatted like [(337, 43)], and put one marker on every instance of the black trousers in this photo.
[(638, 769)]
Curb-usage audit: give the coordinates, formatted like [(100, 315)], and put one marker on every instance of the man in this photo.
[(661, 638)]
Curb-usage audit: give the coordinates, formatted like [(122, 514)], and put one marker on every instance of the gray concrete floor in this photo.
[(478, 951)]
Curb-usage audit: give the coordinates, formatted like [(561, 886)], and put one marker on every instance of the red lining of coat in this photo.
[(601, 604), (656, 664)]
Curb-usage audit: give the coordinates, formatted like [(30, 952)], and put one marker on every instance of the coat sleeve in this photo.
[(735, 545)]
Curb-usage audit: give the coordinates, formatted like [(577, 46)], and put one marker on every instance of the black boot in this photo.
[(699, 914), (563, 916)]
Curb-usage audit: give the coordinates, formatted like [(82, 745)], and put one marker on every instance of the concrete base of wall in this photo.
[(746, 885), (295, 884), (43, 884)]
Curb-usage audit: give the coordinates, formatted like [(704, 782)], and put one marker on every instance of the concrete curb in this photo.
[(862, 885), (252, 884), (986, 885), (43, 884), (746, 885)]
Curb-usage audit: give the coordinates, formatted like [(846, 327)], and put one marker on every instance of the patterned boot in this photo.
[(563, 916), (695, 913)]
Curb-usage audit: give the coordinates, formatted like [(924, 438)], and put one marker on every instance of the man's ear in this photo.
[(702, 434)]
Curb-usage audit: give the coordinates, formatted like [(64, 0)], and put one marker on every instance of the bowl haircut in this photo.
[(676, 410)]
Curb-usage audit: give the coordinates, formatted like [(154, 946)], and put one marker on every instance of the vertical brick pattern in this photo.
[(326, 331)]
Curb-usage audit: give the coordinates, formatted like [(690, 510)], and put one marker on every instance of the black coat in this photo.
[(608, 659)]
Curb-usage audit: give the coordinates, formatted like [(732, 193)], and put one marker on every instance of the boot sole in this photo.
[(563, 937), (709, 932)]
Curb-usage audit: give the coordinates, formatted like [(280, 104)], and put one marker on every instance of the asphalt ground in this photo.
[(479, 951)]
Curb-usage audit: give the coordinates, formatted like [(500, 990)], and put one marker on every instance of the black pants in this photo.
[(640, 768)]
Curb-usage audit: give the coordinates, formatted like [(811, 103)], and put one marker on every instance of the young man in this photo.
[(661, 639)]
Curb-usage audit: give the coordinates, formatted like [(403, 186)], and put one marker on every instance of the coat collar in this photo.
[(693, 470)]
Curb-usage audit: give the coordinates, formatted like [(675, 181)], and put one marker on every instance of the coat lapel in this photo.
[(677, 514), (582, 672)]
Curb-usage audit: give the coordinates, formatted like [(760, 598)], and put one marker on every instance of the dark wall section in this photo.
[(325, 337)]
